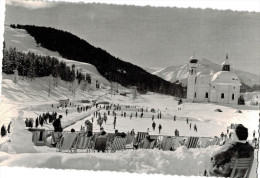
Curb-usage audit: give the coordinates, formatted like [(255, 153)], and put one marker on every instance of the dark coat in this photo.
[(221, 162), (57, 125)]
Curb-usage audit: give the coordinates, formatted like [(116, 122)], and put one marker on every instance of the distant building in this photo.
[(64, 102), (222, 87)]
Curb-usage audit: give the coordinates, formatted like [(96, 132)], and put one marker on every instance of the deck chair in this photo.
[(202, 142), (56, 137), (100, 143), (146, 144), (140, 136), (84, 142), (177, 141), (212, 141), (110, 136), (68, 141), (129, 141), (241, 167), (118, 144), (191, 142), (167, 143)]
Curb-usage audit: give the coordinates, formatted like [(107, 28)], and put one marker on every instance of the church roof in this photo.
[(225, 77), (226, 62)]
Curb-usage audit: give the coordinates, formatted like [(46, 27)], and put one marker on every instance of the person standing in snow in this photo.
[(153, 125), (254, 134), (57, 124), (176, 132), (222, 135), (3, 131), (187, 120), (220, 165), (114, 122), (195, 128), (132, 132), (190, 126), (31, 121), (160, 115), (36, 122), (26, 122), (9, 127), (136, 114), (152, 117), (105, 117), (89, 128), (131, 115), (160, 128), (174, 118)]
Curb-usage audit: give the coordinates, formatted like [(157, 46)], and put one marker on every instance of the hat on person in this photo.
[(60, 116), (101, 128)]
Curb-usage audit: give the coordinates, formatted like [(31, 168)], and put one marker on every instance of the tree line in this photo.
[(113, 69), (31, 65)]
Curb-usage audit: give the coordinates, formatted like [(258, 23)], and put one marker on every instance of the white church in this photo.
[(222, 87)]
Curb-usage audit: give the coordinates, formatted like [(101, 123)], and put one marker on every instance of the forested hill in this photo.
[(73, 48)]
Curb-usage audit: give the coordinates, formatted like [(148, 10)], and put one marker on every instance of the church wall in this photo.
[(201, 91)]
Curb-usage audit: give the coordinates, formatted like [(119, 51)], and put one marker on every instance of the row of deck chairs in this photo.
[(79, 141), (172, 142), (75, 141)]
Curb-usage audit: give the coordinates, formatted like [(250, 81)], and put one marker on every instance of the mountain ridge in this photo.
[(249, 81)]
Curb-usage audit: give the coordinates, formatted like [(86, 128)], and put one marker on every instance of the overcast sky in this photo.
[(152, 36)]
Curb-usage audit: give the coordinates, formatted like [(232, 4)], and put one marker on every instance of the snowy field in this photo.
[(33, 100)]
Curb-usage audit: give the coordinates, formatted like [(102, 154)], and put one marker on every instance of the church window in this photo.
[(222, 95), (233, 96), (195, 80), (191, 71), (195, 95), (207, 95)]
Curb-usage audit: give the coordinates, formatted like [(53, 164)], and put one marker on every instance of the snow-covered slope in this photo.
[(22, 41), (205, 66)]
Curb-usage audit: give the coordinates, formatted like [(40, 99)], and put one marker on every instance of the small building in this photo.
[(64, 102)]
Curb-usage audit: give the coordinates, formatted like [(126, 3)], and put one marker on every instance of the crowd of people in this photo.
[(42, 119)]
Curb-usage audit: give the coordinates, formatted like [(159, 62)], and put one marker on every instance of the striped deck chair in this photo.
[(203, 142), (68, 141), (146, 144), (140, 136), (191, 142), (100, 144), (129, 141), (110, 136), (177, 142), (118, 144), (84, 142), (212, 141)]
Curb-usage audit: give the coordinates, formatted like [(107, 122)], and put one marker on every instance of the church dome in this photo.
[(225, 77)]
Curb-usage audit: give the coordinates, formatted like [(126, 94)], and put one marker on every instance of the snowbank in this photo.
[(183, 161), (20, 139)]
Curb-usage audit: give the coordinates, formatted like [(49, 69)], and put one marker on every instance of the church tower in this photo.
[(226, 65), (191, 93)]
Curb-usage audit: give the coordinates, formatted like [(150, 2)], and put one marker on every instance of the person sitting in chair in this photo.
[(220, 165), (102, 132)]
